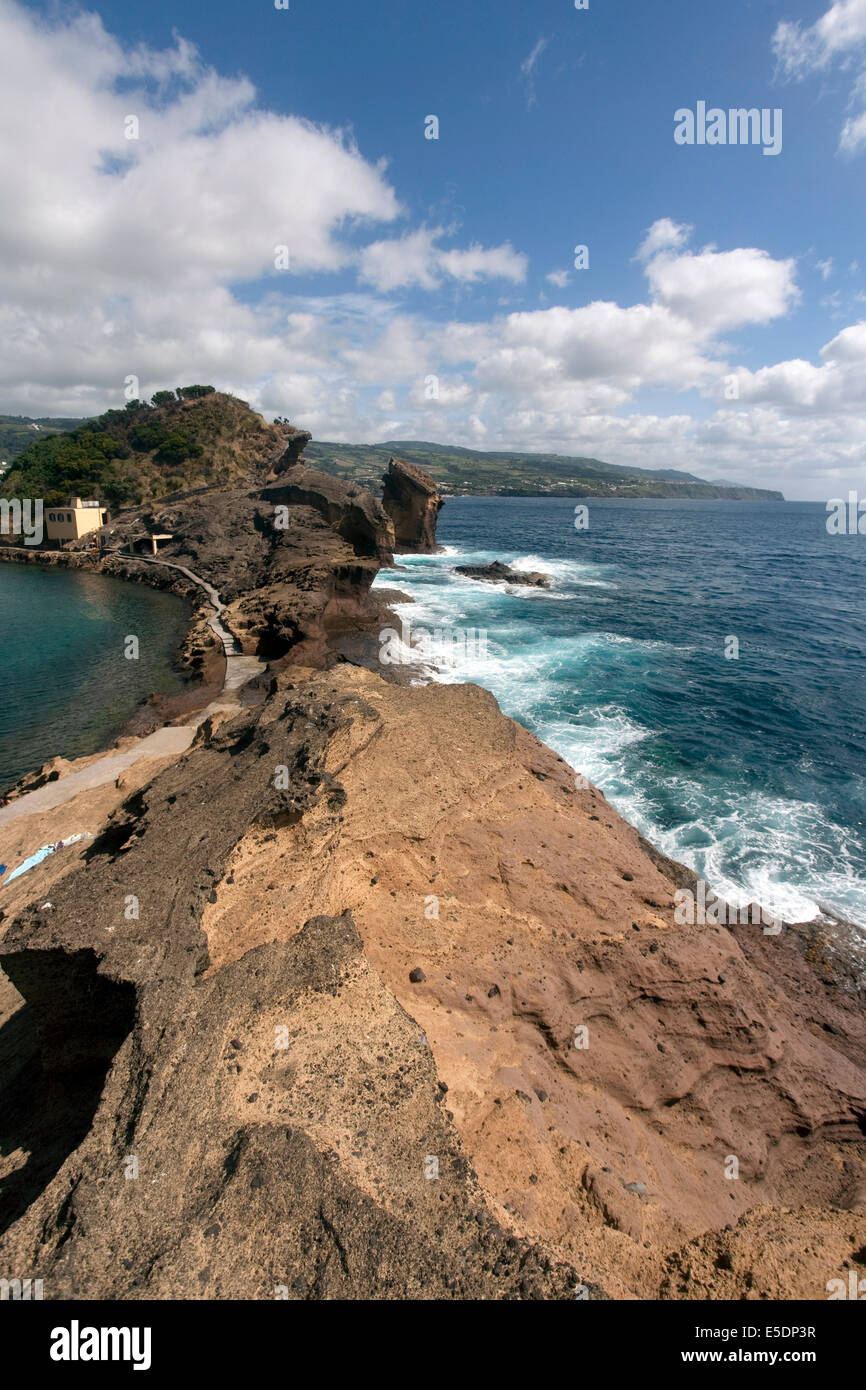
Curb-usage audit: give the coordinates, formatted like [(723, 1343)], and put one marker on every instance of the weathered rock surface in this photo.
[(297, 441), (413, 502), (371, 920), (289, 559), (353, 513), (499, 573), (272, 1123)]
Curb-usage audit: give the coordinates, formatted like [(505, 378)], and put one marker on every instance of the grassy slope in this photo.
[(130, 456), (17, 432), (471, 471)]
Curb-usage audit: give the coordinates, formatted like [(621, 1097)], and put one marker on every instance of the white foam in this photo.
[(748, 845)]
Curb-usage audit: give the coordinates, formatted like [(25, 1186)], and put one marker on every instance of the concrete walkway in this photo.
[(170, 741), (227, 638)]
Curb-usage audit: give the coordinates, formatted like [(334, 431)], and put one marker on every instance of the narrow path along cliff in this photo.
[(169, 741)]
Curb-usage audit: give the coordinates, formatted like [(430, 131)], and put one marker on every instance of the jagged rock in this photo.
[(286, 575), (413, 502), (297, 443), (353, 512), (497, 572), (253, 1129)]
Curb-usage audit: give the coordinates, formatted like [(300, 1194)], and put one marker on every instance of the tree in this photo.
[(177, 449), (163, 398), (192, 393), (148, 436)]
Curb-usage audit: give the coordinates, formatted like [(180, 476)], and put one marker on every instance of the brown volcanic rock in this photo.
[(465, 850), (499, 573), (234, 1130), (352, 512), (413, 502), (274, 1069), (297, 441)]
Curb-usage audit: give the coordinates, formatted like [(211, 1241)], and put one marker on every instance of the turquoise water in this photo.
[(66, 686), (752, 770)]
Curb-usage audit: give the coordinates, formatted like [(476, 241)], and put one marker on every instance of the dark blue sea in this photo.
[(752, 770), (65, 685)]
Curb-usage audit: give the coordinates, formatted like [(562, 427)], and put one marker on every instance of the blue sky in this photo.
[(413, 260)]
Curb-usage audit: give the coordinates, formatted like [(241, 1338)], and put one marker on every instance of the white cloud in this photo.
[(839, 35), (497, 262), (853, 137), (663, 235), (528, 66), (409, 260), (717, 290), (800, 49), (196, 198), (135, 271), (415, 260)]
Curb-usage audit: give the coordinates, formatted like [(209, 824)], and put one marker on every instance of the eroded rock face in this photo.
[(499, 573), (353, 512), (297, 441), (413, 502), (288, 559), (467, 852), (270, 1124), (256, 1041)]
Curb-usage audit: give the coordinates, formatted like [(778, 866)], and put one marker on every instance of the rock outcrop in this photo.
[(341, 1051), (353, 512), (268, 1125), (413, 502), (499, 573), (297, 441), (290, 559)]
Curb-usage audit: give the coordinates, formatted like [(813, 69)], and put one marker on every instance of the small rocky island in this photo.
[(498, 573)]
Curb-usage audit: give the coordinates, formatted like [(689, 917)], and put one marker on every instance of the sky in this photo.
[(250, 196)]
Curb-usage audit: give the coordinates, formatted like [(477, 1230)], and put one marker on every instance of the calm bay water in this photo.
[(65, 685), (751, 770)]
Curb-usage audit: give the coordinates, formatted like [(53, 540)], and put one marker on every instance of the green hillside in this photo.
[(471, 471), (189, 438), (17, 432), (195, 436)]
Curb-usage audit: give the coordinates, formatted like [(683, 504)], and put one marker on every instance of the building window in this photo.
[(68, 516)]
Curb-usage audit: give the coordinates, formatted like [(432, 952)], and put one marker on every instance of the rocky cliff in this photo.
[(290, 559), (334, 1052), (413, 502), (367, 996)]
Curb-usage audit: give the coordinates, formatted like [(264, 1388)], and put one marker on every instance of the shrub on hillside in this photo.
[(192, 393), (176, 448)]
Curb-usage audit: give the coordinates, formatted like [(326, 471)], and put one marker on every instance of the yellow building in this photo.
[(70, 523)]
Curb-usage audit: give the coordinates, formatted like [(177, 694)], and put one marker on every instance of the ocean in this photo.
[(744, 759), (66, 686)]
